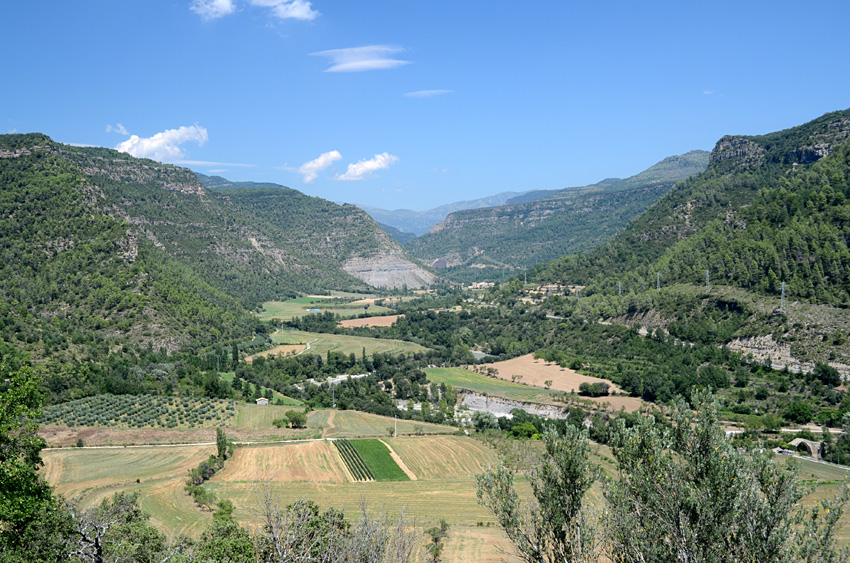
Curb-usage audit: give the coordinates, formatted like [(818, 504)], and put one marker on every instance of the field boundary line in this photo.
[(399, 461)]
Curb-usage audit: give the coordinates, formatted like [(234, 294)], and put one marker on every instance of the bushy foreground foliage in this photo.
[(683, 494)]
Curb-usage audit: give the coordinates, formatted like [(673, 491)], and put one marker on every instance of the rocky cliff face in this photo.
[(750, 152), (387, 270)]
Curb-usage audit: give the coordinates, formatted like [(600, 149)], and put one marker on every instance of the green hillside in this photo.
[(769, 209), (534, 229), (73, 272), (101, 249)]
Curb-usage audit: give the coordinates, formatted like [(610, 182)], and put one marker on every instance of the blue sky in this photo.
[(409, 103)]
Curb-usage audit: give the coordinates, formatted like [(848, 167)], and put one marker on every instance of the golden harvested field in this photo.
[(370, 321), (312, 462), (76, 471), (536, 372), (443, 457)]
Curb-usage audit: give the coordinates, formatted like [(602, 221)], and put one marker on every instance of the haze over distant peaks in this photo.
[(419, 222)]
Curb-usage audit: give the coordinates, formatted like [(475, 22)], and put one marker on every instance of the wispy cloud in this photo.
[(164, 146), (289, 9), (117, 129), (359, 59), (363, 169), (310, 170), (283, 9), (213, 9), (427, 93), (213, 163), (707, 92)]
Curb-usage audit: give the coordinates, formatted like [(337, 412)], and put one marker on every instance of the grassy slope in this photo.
[(463, 379), (321, 343)]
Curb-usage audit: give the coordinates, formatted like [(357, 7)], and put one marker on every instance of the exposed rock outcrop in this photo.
[(388, 270)]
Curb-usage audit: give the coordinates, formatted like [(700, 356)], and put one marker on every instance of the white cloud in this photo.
[(708, 92), (364, 168), (164, 146), (289, 9), (310, 170), (359, 59), (212, 9), (427, 93), (117, 129)]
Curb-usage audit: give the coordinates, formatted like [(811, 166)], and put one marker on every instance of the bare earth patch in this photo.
[(537, 372), (370, 321), (282, 350)]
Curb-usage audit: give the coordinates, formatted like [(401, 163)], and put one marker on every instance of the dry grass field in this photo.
[(445, 466), (537, 372), (303, 462), (443, 457), (79, 471), (91, 475), (370, 321), (356, 424)]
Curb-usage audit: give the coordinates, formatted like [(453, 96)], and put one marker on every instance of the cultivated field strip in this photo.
[(305, 462), (444, 457), (352, 459)]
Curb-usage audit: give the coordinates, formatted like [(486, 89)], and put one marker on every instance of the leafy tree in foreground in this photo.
[(29, 515), (688, 495), (684, 495), (555, 526)]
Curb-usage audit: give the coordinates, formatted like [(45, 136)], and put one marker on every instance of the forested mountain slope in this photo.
[(525, 233), (768, 209), (98, 248)]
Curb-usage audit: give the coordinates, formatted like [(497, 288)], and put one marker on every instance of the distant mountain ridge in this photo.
[(419, 222), (546, 224)]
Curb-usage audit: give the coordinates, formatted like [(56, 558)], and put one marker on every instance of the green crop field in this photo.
[(321, 343), (339, 304), (377, 458), (460, 378)]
